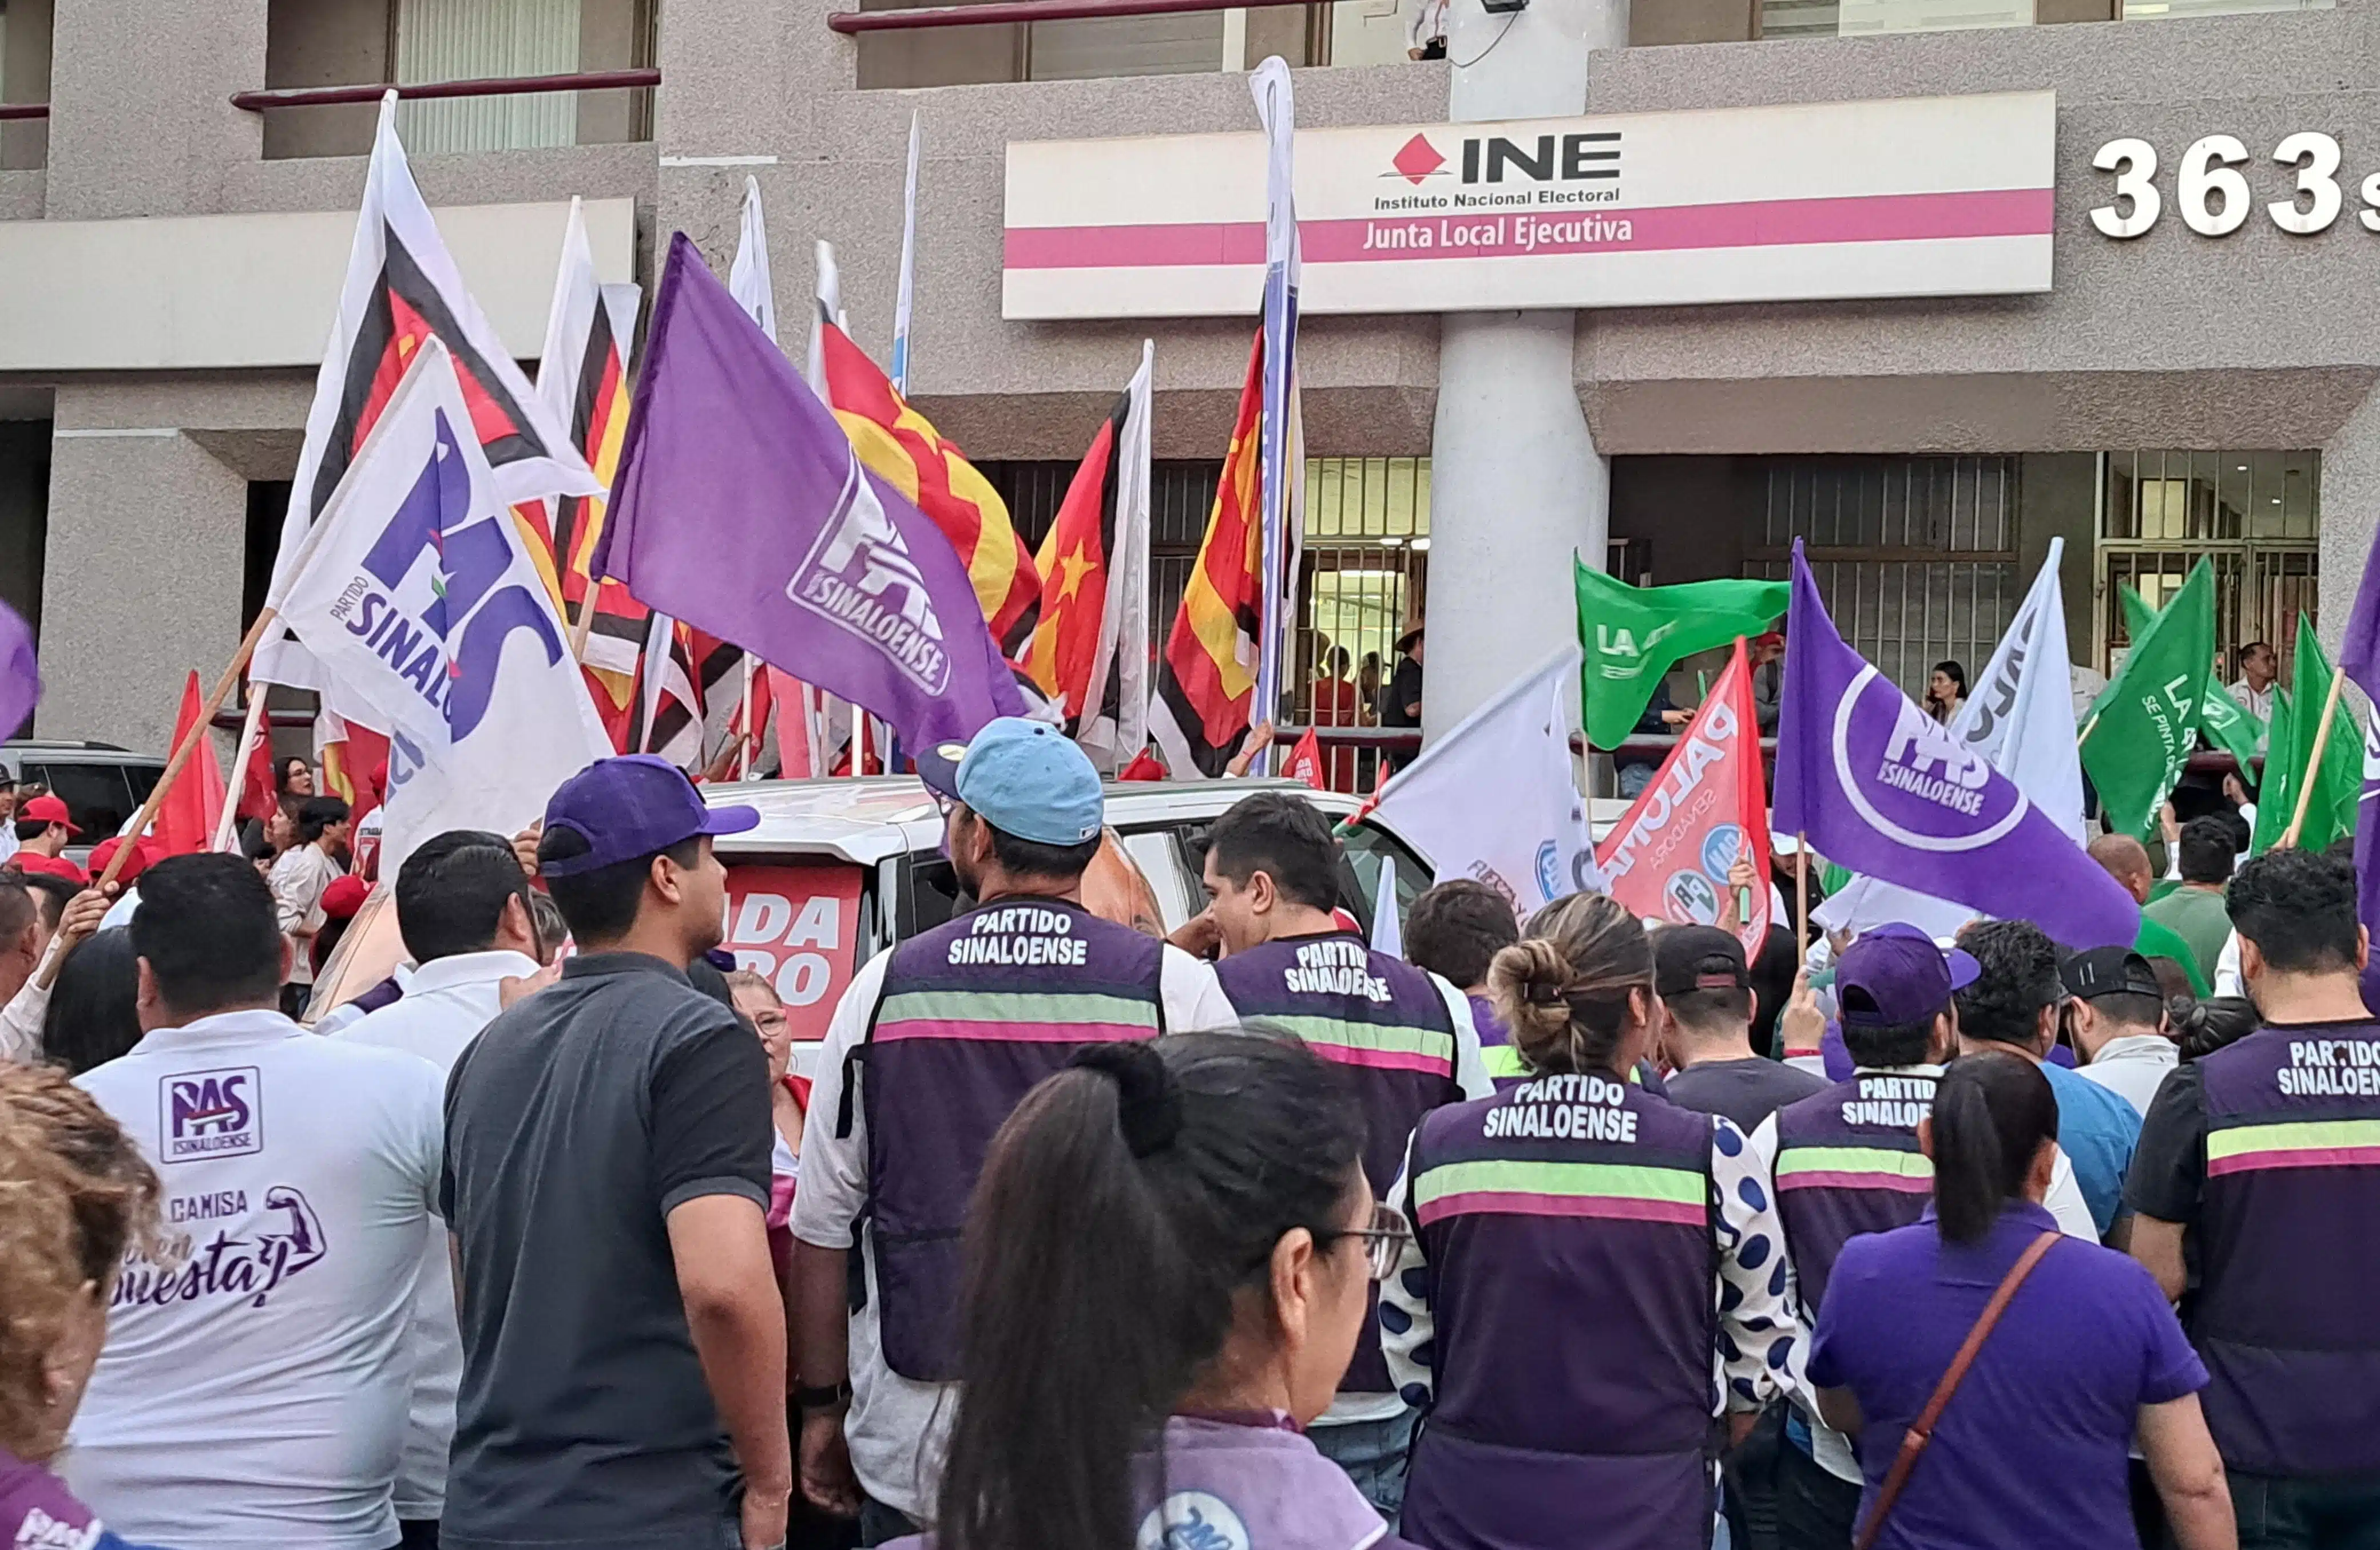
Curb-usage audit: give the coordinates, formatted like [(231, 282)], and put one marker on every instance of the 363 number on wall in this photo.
[(2212, 193)]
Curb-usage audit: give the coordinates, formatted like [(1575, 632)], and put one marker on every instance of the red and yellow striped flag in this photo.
[(900, 447), (1207, 677)]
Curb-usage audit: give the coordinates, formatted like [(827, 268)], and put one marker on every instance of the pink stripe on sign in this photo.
[(1384, 1059), (1821, 1179), (1519, 1202), (1398, 238), (2308, 1157), (1010, 1033)]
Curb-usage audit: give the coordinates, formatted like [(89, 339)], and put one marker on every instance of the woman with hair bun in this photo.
[(1557, 1304), (1168, 1258), (74, 1194)]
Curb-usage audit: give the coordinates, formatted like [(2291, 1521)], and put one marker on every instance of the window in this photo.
[(1915, 557), (99, 797), (1854, 19), (471, 40), (2256, 516), (2174, 10)]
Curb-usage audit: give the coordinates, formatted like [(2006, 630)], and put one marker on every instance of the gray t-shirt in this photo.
[(1746, 1091), (575, 1124)]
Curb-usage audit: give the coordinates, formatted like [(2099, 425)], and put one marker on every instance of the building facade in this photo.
[(2189, 384)]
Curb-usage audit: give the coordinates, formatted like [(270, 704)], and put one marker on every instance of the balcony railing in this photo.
[(498, 86), (1000, 11), (23, 110)]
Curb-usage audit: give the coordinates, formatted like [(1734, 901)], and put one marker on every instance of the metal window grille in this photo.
[(1915, 557), (2254, 515)]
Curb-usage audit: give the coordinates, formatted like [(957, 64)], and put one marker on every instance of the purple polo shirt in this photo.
[(2031, 1449), (37, 1512)]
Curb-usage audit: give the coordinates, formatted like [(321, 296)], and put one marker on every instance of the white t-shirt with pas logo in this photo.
[(254, 1395)]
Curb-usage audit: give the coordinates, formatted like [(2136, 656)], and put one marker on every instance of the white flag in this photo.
[(907, 295), (1496, 799), (1388, 927), (748, 276), (1115, 727), (415, 591), (2019, 718), (402, 288)]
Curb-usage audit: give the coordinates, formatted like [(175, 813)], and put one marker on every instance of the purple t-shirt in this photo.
[(2031, 1449), (37, 1512)]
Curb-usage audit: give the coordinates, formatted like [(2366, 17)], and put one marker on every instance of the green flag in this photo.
[(1634, 635), (2228, 726), (2142, 731), (2336, 783), (2232, 729)]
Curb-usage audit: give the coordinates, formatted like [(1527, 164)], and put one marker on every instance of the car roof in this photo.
[(866, 820)]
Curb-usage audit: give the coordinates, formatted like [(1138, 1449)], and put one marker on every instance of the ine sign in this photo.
[(1935, 196)]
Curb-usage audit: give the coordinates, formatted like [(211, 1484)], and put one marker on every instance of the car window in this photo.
[(98, 796), (1373, 854), (1179, 895)]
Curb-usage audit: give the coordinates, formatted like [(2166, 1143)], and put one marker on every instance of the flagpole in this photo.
[(180, 759), (744, 743), (250, 726), (586, 624), (2314, 762), (1800, 892), (900, 371), (2084, 736)]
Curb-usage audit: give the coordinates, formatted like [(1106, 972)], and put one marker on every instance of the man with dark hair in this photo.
[(44, 828), (2262, 1152), (1454, 930), (2116, 1022), (463, 909), (932, 1046), (1272, 870), (1704, 1030), (607, 1189), (302, 1171), (2017, 1004), (2260, 665), (301, 877), (2195, 911), (1848, 1160)]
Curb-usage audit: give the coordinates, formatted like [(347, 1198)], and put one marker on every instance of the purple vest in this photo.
[(1504, 1067), (2290, 1237), (1569, 1229), (1381, 1018), (37, 1512), (1848, 1162), (973, 1015)]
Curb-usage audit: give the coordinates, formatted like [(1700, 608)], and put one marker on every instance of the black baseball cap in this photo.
[(1697, 958), (637, 805), (2108, 972)]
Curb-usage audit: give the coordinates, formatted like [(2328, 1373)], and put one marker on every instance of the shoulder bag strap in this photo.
[(1921, 1431)]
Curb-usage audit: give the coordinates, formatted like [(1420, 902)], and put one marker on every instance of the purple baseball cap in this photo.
[(1894, 976), (633, 806)]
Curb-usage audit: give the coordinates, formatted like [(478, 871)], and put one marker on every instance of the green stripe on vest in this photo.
[(1015, 1007), (1853, 1159), (1597, 1181), (1341, 1034), (2300, 1135)]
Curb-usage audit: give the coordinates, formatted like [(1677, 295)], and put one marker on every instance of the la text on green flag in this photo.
[(2335, 784), (1634, 635), (2142, 729), (2226, 724)]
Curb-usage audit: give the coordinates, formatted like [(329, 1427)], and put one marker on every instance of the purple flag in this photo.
[(2359, 658), (1876, 784), (20, 680), (767, 531)]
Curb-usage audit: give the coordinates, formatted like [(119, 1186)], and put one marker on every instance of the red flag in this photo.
[(194, 803), (1207, 677), (1305, 762), (1670, 857), (1143, 767), (258, 792)]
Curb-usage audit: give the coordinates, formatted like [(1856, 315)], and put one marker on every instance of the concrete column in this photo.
[(140, 116), (2351, 497), (1515, 482), (147, 535)]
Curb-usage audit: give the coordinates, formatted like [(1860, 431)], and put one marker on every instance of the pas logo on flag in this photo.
[(1919, 760), (859, 575)]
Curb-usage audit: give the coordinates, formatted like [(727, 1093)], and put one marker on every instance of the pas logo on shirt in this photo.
[(210, 1114), (40, 1531), (1192, 1520)]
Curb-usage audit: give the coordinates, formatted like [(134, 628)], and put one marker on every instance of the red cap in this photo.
[(134, 864), (1772, 638), (52, 866), (51, 809), (344, 896)]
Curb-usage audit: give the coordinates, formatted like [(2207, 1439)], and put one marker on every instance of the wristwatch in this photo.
[(825, 1397)]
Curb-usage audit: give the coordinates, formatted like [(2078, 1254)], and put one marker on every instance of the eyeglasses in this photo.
[(1384, 1241)]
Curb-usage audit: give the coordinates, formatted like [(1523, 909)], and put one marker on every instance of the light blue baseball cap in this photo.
[(1023, 777)]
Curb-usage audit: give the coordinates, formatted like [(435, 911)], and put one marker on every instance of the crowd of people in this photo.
[(1576, 1230)]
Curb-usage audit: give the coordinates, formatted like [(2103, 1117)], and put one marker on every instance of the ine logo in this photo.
[(1590, 156), (210, 1114)]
